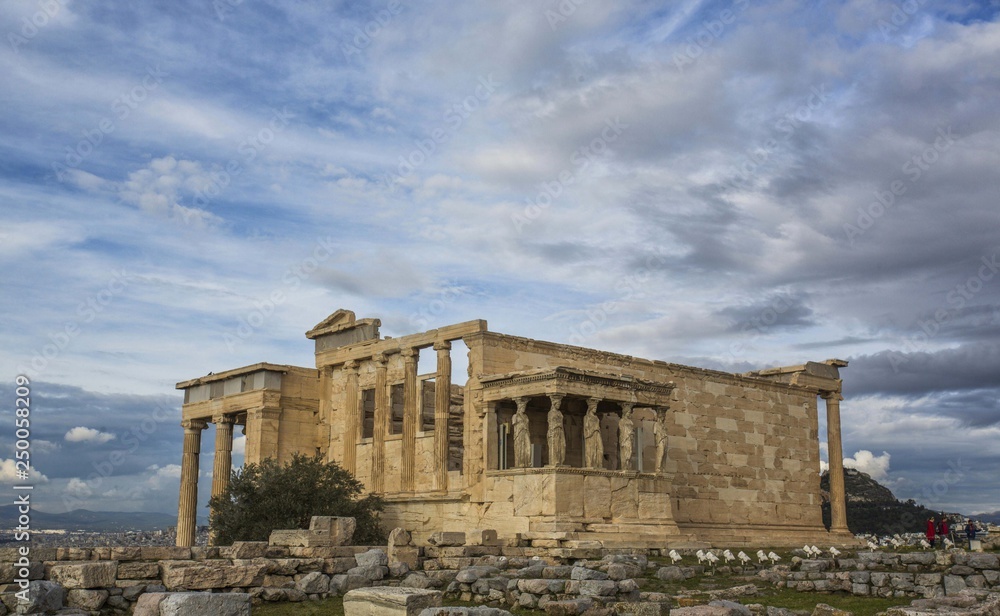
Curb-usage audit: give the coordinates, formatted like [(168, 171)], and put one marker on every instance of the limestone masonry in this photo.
[(554, 445)]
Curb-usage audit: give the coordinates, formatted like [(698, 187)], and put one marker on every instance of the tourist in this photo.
[(970, 532), (943, 530), (930, 530)]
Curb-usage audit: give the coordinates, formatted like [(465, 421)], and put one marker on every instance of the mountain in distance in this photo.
[(992, 518), (93, 521), (872, 507)]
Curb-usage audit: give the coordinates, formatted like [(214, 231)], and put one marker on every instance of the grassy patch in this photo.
[(795, 600), (326, 607)]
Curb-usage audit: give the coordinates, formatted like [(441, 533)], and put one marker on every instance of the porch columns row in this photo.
[(411, 418), (593, 455), (187, 506)]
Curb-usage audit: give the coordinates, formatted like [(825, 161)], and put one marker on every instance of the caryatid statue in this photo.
[(660, 436), (593, 444), (626, 438), (522, 435), (556, 434)]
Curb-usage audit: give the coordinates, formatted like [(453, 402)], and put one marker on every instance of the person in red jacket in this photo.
[(943, 530), (930, 531)]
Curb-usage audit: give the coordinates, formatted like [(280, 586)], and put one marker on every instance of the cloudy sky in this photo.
[(188, 187)]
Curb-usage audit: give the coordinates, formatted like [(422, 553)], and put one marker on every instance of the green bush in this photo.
[(268, 496)]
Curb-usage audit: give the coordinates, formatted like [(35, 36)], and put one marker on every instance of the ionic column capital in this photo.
[(223, 419), (350, 365), (831, 396), (380, 360), (192, 425), (443, 345), (410, 355)]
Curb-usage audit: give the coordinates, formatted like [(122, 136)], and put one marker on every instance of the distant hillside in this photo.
[(95, 521), (993, 518), (872, 507)]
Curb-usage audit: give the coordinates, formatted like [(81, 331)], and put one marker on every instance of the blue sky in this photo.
[(732, 185)]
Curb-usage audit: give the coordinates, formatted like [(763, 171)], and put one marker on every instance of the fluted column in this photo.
[(351, 417), (442, 407), (411, 410), (223, 461), (838, 499), (187, 506), (381, 423)]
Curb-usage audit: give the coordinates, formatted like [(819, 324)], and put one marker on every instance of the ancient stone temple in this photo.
[(537, 439)]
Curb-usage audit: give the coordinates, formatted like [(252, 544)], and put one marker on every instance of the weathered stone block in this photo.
[(670, 574), (195, 603), (953, 584), (389, 601), (399, 537), (372, 558), (247, 549), (447, 539), (99, 574), (138, 570), (336, 530), (481, 536), (89, 600), (646, 608), (192, 575), (583, 573), (314, 583), (404, 554), (43, 597), (571, 607)]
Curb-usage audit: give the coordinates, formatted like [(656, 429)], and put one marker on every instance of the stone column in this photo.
[(491, 436), (223, 462), (838, 499), (381, 423), (262, 434), (351, 417), (556, 433), (411, 416), (442, 408), (187, 506)]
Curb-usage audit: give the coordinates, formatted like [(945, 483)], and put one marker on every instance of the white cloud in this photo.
[(159, 189), (163, 476), (867, 462), (823, 466), (81, 434), (78, 488), (240, 445), (9, 470)]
